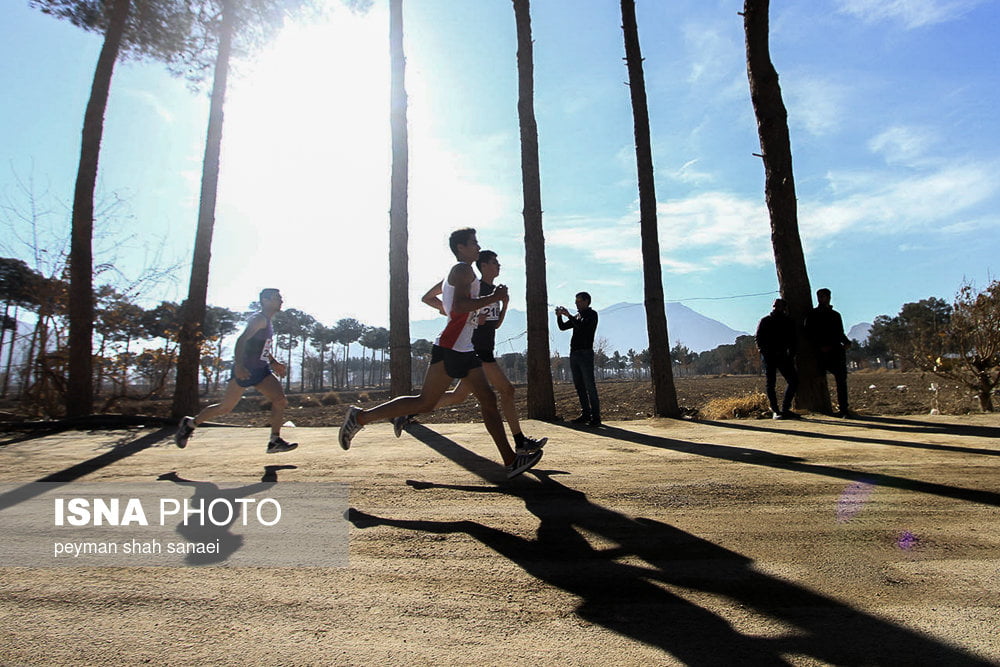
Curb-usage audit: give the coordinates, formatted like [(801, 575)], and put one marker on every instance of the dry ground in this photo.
[(814, 542)]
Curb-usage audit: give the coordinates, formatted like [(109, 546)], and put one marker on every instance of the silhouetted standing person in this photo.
[(825, 331), (776, 343), (581, 357)]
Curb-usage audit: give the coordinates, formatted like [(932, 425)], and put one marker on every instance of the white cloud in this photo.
[(911, 13), (711, 53), (816, 104), (697, 233), (153, 102), (688, 174), (892, 204), (902, 145)]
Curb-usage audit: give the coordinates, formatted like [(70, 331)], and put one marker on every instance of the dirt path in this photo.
[(647, 542)]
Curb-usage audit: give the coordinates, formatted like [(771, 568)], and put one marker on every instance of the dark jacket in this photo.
[(825, 329), (776, 335), (584, 326)]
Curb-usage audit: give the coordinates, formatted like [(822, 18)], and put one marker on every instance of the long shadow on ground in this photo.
[(795, 464), (985, 432), (903, 425), (123, 450), (630, 599)]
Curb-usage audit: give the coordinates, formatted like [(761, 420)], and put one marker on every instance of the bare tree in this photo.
[(158, 29), (779, 187), (399, 275), (664, 392), (541, 398), (80, 391)]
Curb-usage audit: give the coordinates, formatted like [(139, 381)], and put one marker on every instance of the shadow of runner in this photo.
[(627, 599), (206, 532), (83, 468), (796, 464)]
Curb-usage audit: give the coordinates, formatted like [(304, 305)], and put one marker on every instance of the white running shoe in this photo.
[(350, 427), (523, 462), (277, 444), (184, 431), (530, 445), (398, 423)]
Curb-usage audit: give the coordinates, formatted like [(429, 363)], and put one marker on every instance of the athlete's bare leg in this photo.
[(491, 414), (498, 380), (455, 396), (229, 400), (270, 387), (436, 381)]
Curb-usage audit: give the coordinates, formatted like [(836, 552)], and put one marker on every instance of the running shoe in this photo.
[(523, 462), (184, 431), (530, 445), (277, 444), (350, 427)]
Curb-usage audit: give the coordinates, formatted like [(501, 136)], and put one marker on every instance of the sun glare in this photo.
[(306, 158)]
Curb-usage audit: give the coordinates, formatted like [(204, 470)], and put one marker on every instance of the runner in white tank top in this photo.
[(453, 358), (457, 334)]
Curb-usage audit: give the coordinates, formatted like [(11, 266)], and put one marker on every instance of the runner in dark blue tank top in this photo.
[(253, 366)]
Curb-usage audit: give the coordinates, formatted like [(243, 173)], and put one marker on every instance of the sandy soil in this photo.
[(812, 542)]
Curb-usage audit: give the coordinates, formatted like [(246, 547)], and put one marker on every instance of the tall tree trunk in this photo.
[(10, 356), (664, 392), (218, 366), (779, 187), (80, 389), (3, 326), (541, 399), (302, 368), (399, 260), (29, 360), (347, 366), (193, 312)]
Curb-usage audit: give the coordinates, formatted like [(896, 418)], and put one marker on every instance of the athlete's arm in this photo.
[(461, 277), (503, 311), (433, 298)]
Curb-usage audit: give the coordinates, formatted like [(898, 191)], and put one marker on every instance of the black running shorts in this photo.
[(456, 364)]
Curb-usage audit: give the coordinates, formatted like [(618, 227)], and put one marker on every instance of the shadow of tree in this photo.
[(123, 449), (985, 432)]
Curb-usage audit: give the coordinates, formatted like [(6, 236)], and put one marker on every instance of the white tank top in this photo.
[(457, 334)]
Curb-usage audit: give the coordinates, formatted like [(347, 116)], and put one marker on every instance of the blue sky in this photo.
[(895, 138)]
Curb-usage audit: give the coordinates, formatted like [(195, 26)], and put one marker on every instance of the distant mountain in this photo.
[(860, 331), (622, 324)]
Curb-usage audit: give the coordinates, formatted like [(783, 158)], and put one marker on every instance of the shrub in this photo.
[(736, 407)]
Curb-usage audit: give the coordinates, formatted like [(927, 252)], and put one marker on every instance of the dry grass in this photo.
[(736, 407)]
